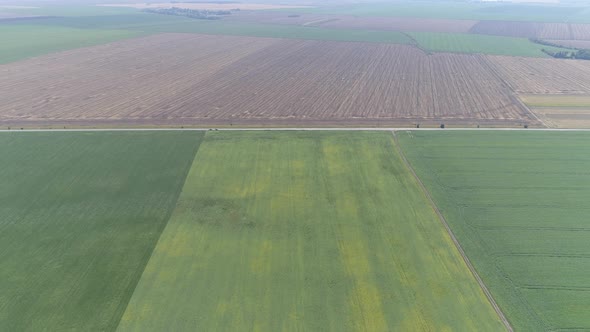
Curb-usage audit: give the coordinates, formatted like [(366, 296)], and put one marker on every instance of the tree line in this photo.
[(203, 14), (571, 53)]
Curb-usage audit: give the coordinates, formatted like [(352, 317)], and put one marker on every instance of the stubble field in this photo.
[(560, 111), (194, 79), (543, 76)]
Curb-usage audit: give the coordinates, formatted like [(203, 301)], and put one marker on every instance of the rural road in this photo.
[(291, 129)]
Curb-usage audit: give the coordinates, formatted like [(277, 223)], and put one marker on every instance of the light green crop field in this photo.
[(485, 44), (311, 231), (80, 214), (518, 203), (23, 41)]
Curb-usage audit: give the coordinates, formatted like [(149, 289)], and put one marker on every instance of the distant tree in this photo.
[(192, 13), (583, 54)]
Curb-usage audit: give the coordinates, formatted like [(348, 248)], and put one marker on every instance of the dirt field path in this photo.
[(446, 225)]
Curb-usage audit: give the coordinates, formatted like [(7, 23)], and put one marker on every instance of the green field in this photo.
[(485, 44), (269, 231), (24, 41), (79, 218), (518, 202), (305, 231)]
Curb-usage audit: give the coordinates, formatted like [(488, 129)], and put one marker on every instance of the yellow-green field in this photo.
[(305, 231)]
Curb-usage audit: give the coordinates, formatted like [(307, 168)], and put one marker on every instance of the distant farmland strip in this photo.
[(21, 42), (310, 231), (79, 218), (194, 79), (484, 44), (533, 30), (354, 22), (583, 44), (562, 111), (235, 28), (517, 202), (544, 76), (401, 24)]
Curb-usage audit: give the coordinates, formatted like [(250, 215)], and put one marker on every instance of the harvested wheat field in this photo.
[(564, 117), (560, 111), (190, 79), (544, 76)]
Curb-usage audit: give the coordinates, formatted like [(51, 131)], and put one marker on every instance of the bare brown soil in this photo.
[(543, 76), (567, 31), (185, 79), (354, 22)]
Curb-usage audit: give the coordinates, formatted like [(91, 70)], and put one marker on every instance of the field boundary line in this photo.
[(415, 43), (168, 217), (452, 235), (513, 95), (390, 129)]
